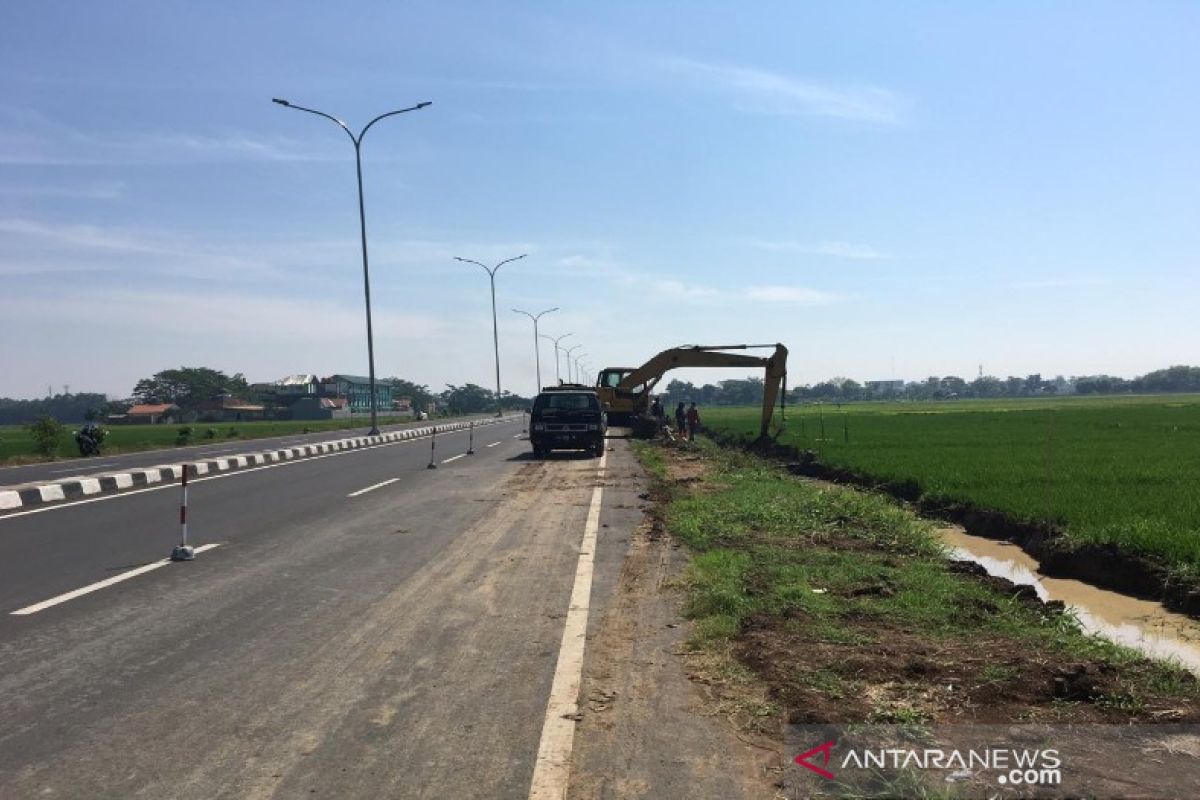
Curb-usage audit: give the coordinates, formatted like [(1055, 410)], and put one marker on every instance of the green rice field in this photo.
[(1120, 470), (16, 443)]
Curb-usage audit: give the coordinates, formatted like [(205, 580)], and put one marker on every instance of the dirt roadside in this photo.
[(649, 729)]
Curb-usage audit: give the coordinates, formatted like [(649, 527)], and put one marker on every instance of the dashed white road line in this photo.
[(124, 576), (370, 488), (493, 444), (553, 767), (453, 458)]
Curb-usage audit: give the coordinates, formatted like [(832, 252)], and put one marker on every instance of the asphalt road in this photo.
[(73, 467), (397, 642)]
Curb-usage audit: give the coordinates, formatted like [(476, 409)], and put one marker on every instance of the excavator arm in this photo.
[(647, 375)]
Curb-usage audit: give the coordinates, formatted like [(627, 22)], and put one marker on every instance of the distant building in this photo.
[(357, 390), (314, 408), (230, 409), (884, 388), (152, 414)]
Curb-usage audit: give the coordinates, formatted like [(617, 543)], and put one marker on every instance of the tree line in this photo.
[(749, 391), (190, 387), (187, 387)]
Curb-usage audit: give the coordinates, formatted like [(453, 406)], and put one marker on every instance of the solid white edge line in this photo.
[(453, 458), (370, 488), (124, 576), (125, 481), (552, 770)]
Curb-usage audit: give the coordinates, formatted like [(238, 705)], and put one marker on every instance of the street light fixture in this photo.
[(491, 271), (557, 375), (362, 223), (568, 351), (537, 350)]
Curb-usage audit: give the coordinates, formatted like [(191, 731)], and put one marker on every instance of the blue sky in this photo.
[(892, 190)]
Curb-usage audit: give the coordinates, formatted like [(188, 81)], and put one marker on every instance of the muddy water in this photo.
[(1140, 624)]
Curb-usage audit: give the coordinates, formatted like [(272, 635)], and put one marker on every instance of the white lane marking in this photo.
[(369, 488), (124, 480), (76, 469), (553, 766), (518, 436), (453, 458), (124, 576), (493, 444)]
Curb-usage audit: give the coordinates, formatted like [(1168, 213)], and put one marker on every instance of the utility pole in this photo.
[(491, 271), (362, 224), (537, 350)]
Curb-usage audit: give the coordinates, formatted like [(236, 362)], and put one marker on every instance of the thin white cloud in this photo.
[(762, 91), (683, 291), (97, 191), (259, 317), (30, 138), (1060, 283), (790, 295), (34, 247), (833, 249)]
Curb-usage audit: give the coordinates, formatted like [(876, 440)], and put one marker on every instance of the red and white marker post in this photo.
[(183, 551)]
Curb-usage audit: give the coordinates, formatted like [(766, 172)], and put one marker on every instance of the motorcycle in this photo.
[(89, 439)]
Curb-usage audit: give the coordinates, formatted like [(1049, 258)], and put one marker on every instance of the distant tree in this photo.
[(1172, 379), (63, 407), (47, 434), (468, 399), (987, 386), (513, 402), (187, 387), (419, 393), (954, 385)]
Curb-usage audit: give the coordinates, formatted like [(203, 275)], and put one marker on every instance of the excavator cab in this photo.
[(622, 402)]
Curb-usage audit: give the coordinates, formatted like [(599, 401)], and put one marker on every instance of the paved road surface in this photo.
[(400, 642)]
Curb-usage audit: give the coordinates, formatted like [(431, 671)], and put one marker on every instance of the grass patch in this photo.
[(844, 604)]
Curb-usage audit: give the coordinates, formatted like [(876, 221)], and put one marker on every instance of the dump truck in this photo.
[(625, 391)]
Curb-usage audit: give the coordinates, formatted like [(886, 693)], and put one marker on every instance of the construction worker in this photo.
[(693, 422), (681, 419), (659, 414)]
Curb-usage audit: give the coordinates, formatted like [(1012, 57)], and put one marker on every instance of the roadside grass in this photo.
[(16, 445), (843, 596), (1120, 471)]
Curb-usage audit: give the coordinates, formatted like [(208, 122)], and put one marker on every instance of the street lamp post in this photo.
[(578, 370), (491, 271), (568, 351), (557, 375), (362, 224), (537, 349)]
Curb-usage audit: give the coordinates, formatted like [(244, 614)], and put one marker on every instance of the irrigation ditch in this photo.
[(1105, 566)]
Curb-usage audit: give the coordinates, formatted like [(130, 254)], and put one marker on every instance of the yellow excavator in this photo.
[(625, 391)]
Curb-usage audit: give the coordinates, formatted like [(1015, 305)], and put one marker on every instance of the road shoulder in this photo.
[(646, 728)]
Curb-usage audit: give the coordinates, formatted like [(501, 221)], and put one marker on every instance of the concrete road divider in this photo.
[(13, 498)]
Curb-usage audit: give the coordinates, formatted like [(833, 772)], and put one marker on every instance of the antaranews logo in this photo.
[(824, 750), (1015, 766)]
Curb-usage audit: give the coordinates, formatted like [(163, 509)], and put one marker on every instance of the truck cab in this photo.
[(567, 418)]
